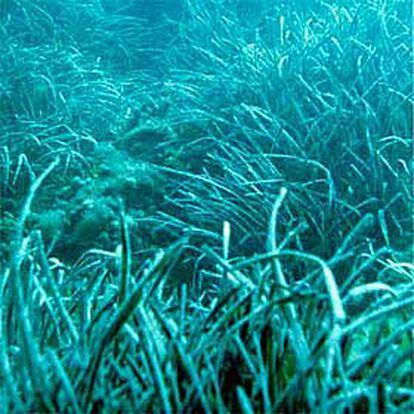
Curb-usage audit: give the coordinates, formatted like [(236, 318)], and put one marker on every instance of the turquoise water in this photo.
[(220, 133)]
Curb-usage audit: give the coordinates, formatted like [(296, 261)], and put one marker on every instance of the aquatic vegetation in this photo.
[(206, 206)]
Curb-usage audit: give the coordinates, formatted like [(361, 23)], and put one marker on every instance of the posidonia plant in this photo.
[(206, 206)]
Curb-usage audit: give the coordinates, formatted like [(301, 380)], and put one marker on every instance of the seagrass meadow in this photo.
[(206, 206)]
